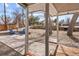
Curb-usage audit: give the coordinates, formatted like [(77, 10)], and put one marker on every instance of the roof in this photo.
[(54, 8)]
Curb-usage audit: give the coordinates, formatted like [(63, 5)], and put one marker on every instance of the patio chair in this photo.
[(22, 32), (11, 31)]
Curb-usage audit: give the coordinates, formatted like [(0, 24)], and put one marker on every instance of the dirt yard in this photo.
[(67, 45)]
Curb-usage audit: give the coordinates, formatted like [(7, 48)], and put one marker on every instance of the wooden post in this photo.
[(57, 29), (26, 32), (57, 37), (46, 27), (57, 24)]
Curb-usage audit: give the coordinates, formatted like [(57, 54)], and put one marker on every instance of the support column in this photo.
[(57, 29), (46, 28), (26, 32), (57, 24)]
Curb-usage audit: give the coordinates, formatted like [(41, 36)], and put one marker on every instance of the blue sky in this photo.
[(11, 7), (41, 16)]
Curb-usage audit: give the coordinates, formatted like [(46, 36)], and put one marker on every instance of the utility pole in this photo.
[(5, 17)]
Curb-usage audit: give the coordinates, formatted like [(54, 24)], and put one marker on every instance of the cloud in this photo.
[(6, 5), (9, 10), (17, 5)]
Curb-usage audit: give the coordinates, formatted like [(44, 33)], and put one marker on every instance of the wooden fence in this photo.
[(11, 26)]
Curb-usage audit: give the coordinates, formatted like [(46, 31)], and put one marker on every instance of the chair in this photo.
[(22, 32), (11, 31)]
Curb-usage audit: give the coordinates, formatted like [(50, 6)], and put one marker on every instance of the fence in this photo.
[(11, 26)]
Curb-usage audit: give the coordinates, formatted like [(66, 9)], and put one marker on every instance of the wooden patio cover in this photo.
[(54, 8), (49, 9)]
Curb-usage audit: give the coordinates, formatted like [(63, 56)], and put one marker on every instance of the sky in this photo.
[(63, 17), (41, 16), (11, 7)]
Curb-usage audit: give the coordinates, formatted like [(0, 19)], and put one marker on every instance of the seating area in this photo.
[(40, 29)]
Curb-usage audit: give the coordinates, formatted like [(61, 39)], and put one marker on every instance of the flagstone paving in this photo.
[(37, 43)]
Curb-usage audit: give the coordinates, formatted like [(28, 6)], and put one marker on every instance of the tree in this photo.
[(50, 26), (33, 20), (71, 24), (61, 22), (8, 19), (55, 21), (1, 17), (17, 17), (67, 21)]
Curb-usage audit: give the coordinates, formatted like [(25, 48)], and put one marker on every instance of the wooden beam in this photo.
[(57, 37), (46, 28), (57, 29), (26, 32)]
